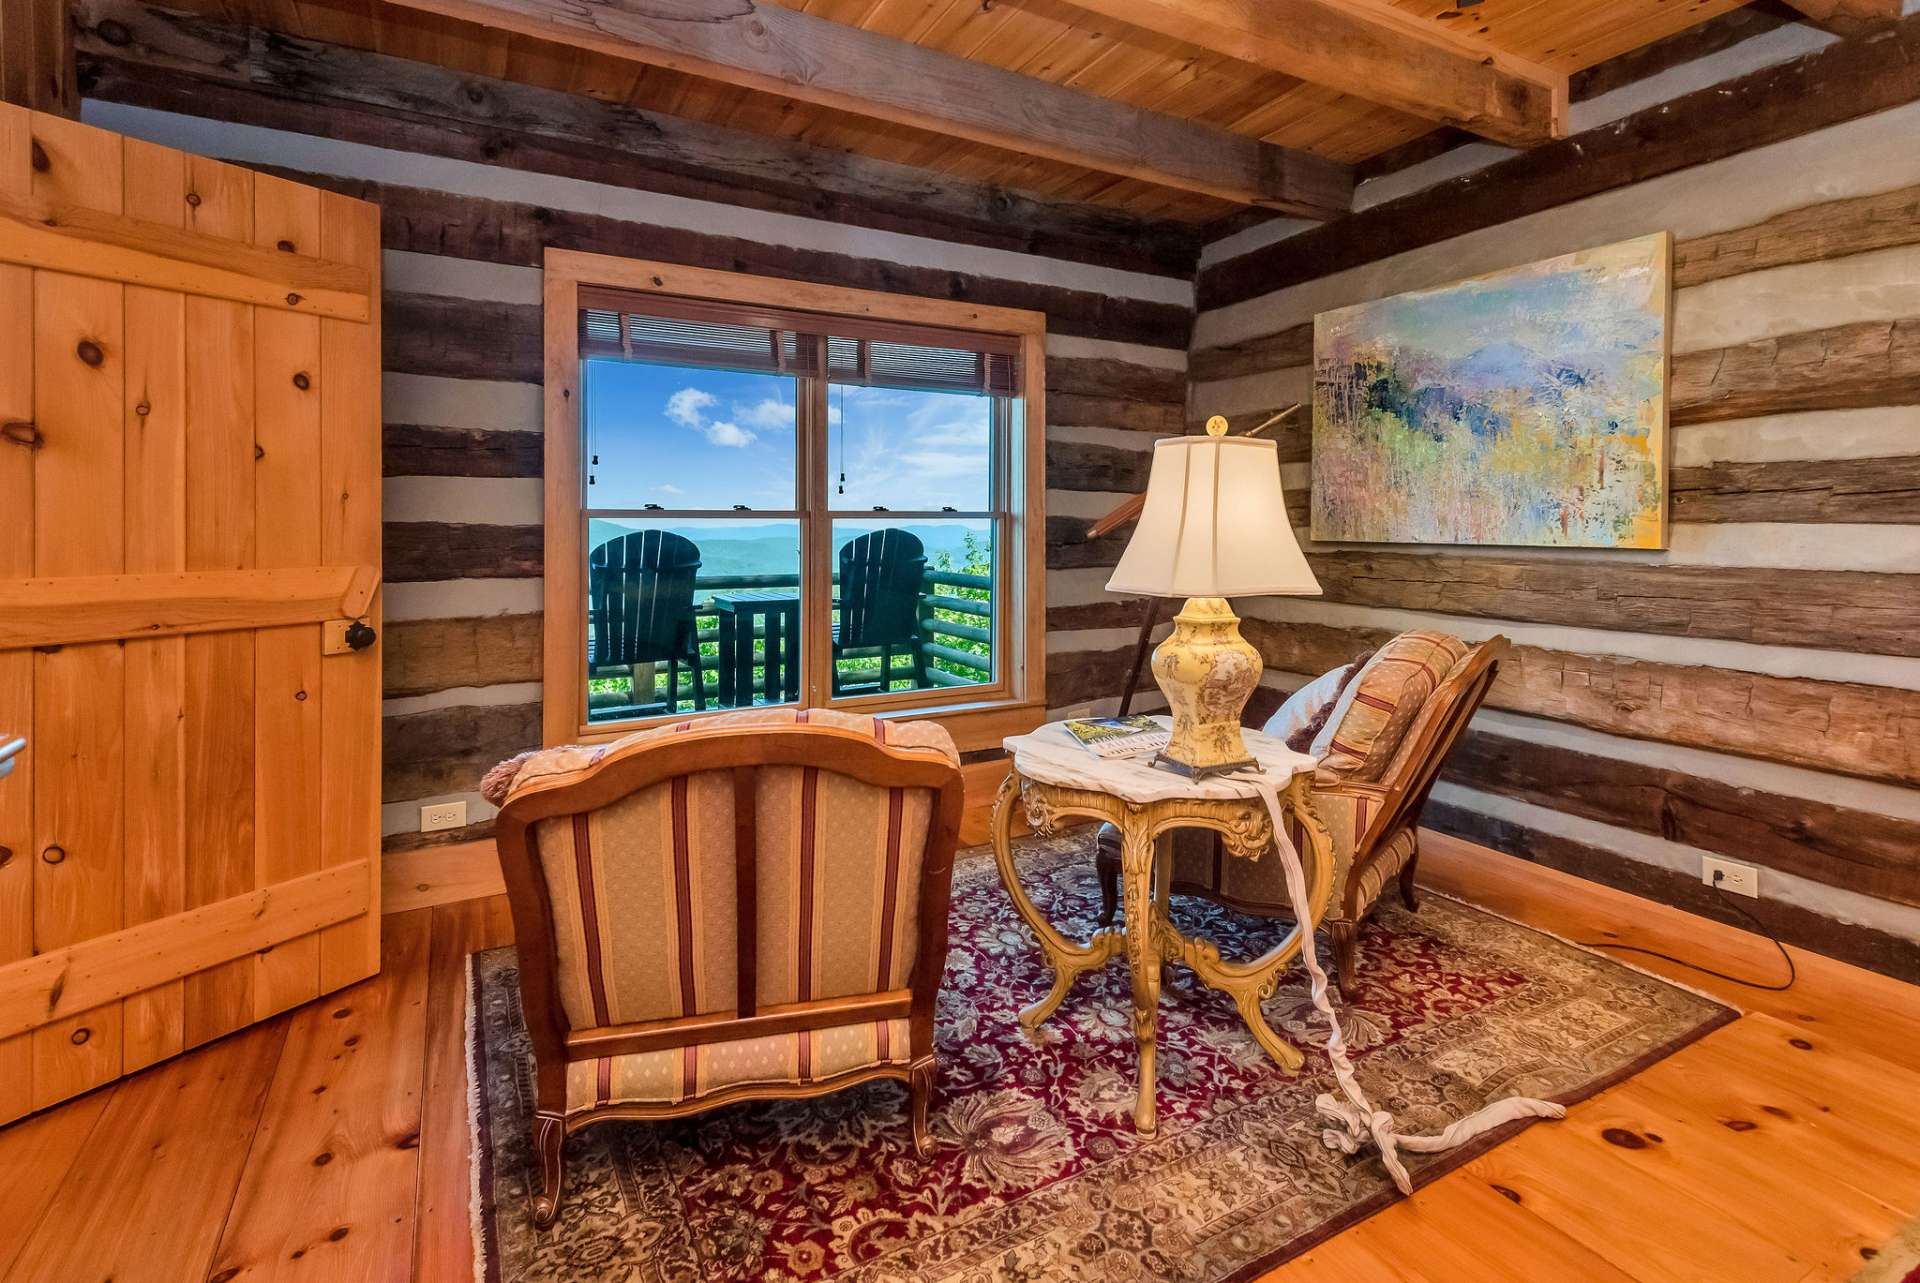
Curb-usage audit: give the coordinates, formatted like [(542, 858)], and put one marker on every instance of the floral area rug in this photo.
[(1038, 1173)]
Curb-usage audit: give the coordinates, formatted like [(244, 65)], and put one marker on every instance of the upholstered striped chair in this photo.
[(751, 905), (1392, 727)]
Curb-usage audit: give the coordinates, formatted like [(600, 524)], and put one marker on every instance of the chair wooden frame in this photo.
[(1442, 720), (742, 751)]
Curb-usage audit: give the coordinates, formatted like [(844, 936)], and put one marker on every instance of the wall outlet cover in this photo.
[(1742, 879), (443, 815), (1077, 712)]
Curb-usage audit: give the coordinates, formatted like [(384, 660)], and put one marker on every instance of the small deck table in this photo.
[(778, 613), (1053, 776)]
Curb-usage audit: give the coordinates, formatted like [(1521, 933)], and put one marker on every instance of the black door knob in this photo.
[(360, 635)]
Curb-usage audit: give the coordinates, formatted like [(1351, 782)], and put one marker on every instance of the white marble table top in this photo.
[(1051, 755)]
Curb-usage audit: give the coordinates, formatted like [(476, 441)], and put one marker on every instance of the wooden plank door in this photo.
[(189, 525)]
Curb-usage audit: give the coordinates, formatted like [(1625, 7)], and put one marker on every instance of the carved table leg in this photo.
[(1247, 983), (1149, 938), (1248, 991), (1250, 983), (1143, 963), (1067, 959)]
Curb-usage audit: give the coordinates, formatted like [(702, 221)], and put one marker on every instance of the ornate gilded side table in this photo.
[(1053, 777)]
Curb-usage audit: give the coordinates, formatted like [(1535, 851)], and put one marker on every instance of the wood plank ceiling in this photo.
[(1080, 46)]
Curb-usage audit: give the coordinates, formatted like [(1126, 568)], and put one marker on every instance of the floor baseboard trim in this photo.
[(1843, 941), (429, 875)]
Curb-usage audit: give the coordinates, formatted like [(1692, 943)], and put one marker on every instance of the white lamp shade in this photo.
[(1214, 525)]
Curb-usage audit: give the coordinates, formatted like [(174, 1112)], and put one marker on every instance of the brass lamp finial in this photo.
[(1217, 426)]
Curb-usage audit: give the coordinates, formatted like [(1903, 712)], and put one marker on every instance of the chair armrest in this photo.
[(1325, 785), (1341, 803)]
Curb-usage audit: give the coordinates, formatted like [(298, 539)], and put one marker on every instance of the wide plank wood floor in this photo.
[(331, 1142)]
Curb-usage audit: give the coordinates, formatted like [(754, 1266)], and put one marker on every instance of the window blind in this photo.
[(615, 325), (886, 363), (685, 335)]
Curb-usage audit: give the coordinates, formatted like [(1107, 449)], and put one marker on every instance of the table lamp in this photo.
[(1214, 526)]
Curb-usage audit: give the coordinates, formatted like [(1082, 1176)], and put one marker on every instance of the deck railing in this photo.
[(950, 622), (937, 609)]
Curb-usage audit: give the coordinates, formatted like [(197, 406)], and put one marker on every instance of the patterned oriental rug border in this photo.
[(1038, 1173)]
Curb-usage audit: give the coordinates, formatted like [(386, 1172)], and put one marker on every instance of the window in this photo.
[(757, 500)]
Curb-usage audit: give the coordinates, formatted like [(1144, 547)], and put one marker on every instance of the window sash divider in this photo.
[(790, 514), (897, 514)]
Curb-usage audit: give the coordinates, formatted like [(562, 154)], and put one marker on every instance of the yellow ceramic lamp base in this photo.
[(1207, 670)]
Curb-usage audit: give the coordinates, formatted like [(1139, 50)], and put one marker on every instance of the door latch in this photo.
[(346, 636)]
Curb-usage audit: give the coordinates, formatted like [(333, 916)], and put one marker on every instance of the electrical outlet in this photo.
[(1742, 879), (443, 815), (1076, 712)]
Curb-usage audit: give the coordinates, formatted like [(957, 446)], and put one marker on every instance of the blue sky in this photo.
[(691, 438)]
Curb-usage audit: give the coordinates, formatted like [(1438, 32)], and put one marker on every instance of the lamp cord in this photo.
[(1353, 1118), (843, 438), (1793, 973)]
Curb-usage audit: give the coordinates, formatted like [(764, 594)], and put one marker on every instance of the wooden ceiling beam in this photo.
[(36, 56), (1358, 49), (1846, 80), (1849, 17), (754, 44), (146, 55)]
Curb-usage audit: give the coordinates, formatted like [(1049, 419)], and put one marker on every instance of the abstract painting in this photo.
[(1527, 407)]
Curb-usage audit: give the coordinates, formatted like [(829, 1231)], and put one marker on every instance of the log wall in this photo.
[(463, 239), (1752, 692)]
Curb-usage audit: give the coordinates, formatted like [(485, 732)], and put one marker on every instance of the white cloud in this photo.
[(688, 407), (769, 414), (918, 451), (728, 434), (667, 487)]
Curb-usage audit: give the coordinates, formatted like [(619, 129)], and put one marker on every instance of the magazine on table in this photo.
[(1110, 737)]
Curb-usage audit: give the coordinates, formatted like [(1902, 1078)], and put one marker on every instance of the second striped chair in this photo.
[(752, 905)]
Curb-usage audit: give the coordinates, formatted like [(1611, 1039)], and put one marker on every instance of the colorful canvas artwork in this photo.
[(1524, 407)]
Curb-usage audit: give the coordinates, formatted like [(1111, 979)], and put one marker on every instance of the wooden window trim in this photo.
[(1015, 702)]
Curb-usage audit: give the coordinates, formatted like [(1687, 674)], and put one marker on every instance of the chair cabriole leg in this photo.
[(549, 1140), (1109, 893), (920, 1087), (1344, 933)]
